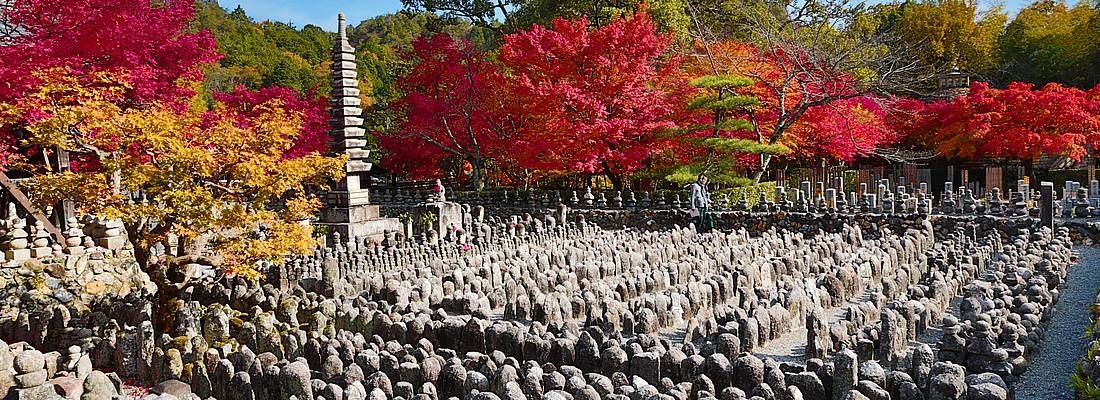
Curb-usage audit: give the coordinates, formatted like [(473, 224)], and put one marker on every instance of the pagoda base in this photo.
[(357, 222), (447, 215)]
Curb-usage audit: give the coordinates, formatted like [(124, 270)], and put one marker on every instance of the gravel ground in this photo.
[(792, 345), (1048, 374)]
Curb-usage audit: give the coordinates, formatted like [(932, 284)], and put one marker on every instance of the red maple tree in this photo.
[(149, 43), (148, 46), (594, 101), (845, 130), (1018, 122), (455, 113), (242, 101)]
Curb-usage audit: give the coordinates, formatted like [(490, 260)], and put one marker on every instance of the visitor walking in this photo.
[(700, 204)]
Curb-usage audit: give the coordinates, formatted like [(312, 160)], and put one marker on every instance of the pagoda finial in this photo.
[(342, 27)]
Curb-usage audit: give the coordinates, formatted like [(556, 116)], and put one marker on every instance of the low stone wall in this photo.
[(754, 222), (48, 303), (1084, 232), (62, 316), (805, 223)]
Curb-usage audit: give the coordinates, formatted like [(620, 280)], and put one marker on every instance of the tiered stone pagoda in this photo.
[(347, 210)]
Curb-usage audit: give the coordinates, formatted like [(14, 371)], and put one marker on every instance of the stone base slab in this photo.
[(374, 230)]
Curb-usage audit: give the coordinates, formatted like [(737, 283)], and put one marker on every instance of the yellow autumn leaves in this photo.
[(214, 176)]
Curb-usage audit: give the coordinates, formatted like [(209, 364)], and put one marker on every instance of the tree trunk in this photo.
[(116, 177), (163, 314), (616, 180), (142, 256), (165, 306), (478, 174), (765, 159), (182, 246)]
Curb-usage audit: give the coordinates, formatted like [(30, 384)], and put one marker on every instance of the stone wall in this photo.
[(65, 306), (62, 316), (1074, 200), (1084, 232), (808, 223)]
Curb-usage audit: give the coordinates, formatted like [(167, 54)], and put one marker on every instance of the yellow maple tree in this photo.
[(214, 176)]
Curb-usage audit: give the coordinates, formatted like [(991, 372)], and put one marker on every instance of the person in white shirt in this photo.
[(700, 203)]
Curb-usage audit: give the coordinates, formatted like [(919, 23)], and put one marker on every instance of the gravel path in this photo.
[(1048, 374), (792, 345)]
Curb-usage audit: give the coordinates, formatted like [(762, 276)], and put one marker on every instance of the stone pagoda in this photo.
[(347, 210)]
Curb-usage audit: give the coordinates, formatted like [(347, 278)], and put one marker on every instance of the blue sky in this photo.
[(323, 12), (317, 12)]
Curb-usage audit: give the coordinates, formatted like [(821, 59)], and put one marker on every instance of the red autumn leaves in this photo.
[(570, 99), (563, 98), (148, 42), (1020, 122), (593, 101), (148, 46)]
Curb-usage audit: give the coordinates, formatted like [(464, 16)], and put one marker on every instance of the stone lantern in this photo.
[(952, 84)]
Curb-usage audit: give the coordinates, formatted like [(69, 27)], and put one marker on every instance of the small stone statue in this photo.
[(440, 192), (948, 203), (970, 204), (743, 204), (1081, 206)]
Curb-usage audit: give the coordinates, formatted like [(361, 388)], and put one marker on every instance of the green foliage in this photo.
[(727, 102), (946, 33), (481, 12), (686, 174), (721, 171), (311, 43), (718, 157), (727, 19), (1047, 41), (732, 125), (1053, 42), (746, 146), (319, 231), (721, 82), (752, 192), (1079, 381), (670, 15), (506, 16), (260, 54), (426, 220), (724, 125), (1084, 387)]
